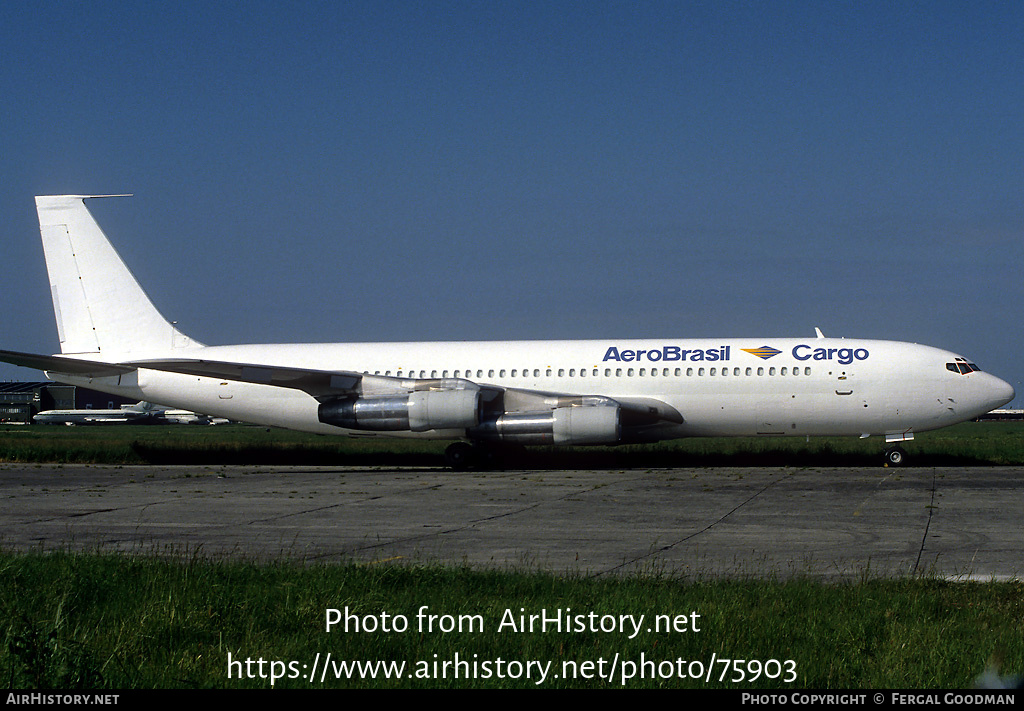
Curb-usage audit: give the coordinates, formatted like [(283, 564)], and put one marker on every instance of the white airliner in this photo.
[(481, 394), (137, 414)]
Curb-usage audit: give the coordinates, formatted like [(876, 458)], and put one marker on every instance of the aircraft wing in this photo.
[(328, 385)]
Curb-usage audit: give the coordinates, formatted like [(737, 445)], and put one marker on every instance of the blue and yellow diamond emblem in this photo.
[(764, 352)]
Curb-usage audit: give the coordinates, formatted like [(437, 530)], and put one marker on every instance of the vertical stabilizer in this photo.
[(99, 306)]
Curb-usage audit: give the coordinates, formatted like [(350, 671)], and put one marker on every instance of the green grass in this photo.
[(972, 443), (106, 621)]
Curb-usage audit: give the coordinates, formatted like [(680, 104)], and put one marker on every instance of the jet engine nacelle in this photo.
[(563, 425), (418, 411)]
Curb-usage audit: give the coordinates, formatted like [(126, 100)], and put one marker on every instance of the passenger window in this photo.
[(760, 371), (689, 372), (713, 371), (783, 371), (771, 371), (700, 371)]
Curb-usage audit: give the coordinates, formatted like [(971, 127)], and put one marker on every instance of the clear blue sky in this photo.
[(491, 170)]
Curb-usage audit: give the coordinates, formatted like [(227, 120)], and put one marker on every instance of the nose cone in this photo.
[(997, 392)]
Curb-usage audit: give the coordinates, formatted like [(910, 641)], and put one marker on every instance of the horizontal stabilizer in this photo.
[(318, 383), (62, 364)]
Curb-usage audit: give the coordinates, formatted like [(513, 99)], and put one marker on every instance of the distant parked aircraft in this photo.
[(138, 414)]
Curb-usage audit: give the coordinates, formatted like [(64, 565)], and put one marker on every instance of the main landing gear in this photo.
[(460, 456)]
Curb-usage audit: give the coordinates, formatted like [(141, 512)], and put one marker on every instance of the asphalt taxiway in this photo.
[(960, 523)]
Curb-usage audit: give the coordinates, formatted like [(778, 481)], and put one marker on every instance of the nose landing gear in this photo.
[(895, 457)]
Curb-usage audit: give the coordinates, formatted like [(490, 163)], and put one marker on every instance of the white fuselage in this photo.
[(817, 386)]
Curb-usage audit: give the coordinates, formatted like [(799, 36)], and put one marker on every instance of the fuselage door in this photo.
[(843, 382)]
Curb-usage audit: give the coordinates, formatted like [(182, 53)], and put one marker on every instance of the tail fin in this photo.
[(99, 305)]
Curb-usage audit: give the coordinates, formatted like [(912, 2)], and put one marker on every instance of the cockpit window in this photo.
[(962, 367)]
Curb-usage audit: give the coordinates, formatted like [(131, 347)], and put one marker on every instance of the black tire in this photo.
[(460, 456), (895, 457)]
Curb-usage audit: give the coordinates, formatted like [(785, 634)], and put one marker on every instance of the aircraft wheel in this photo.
[(895, 457), (460, 456)]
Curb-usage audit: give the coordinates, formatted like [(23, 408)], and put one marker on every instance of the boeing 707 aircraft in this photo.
[(481, 394)]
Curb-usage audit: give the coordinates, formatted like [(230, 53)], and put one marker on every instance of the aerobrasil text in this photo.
[(666, 353)]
